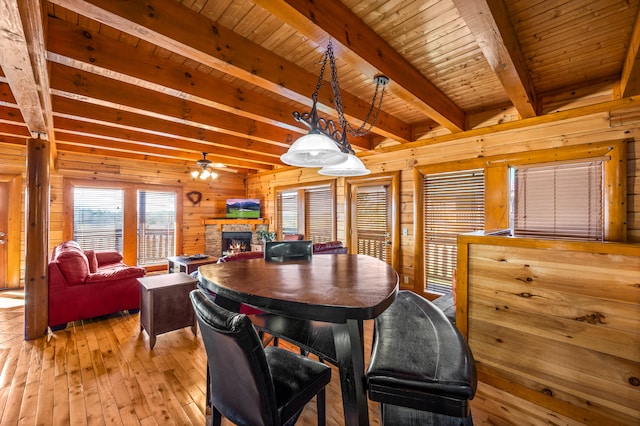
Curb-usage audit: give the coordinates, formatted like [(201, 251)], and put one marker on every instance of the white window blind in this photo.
[(288, 212), (371, 222), (98, 218), (453, 204), (156, 226), (560, 200), (319, 215)]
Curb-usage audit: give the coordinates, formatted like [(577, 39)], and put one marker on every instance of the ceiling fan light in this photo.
[(313, 150), (195, 174), (204, 174), (352, 167)]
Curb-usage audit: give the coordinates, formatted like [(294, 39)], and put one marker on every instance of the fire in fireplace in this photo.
[(235, 242)]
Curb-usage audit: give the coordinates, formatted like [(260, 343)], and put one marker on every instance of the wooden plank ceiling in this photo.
[(164, 80)]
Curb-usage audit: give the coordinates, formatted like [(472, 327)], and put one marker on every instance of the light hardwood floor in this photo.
[(100, 372)]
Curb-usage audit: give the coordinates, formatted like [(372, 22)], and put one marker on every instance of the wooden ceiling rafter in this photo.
[(630, 78), (152, 153), (91, 51), (177, 29), (23, 59), (358, 40), (489, 23), (91, 149), (106, 132), (99, 90), (119, 119)]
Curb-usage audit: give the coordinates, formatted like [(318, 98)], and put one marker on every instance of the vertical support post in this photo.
[(36, 309)]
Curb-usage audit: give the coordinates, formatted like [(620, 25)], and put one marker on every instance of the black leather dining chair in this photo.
[(249, 384)]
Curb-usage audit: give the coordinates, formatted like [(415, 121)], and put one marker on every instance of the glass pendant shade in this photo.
[(352, 167), (313, 150)]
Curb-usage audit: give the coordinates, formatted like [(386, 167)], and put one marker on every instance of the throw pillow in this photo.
[(93, 260)]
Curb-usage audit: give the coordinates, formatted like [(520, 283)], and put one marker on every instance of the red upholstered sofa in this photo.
[(86, 284)]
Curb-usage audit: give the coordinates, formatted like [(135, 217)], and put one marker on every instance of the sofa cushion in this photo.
[(330, 247), (108, 258), (92, 259), (73, 264), (116, 274)]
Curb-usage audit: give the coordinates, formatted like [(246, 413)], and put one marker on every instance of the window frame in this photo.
[(130, 234), (301, 189), (497, 191)]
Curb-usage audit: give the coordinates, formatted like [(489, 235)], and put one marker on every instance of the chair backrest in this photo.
[(241, 383), (279, 251)]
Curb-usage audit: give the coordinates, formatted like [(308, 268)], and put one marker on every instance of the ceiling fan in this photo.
[(204, 171)]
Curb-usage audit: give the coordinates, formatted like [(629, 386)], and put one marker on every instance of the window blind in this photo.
[(319, 215), (453, 204), (560, 200), (156, 226), (98, 218), (288, 212), (371, 222)]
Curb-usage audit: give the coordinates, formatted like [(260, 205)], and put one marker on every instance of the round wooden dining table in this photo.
[(340, 289)]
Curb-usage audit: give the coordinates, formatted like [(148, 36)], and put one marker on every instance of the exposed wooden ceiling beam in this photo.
[(489, 23), (23, 60), (76, 110), (104, 91), (106, 152), (73, 141), (341, 24), (83, 48), (146, 141), (14, 129), (176, 28), (630, 78)]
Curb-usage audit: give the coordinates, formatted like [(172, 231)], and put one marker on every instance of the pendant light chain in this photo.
[(366, 127)]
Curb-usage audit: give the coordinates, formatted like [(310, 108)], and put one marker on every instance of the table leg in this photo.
[(348, 339)]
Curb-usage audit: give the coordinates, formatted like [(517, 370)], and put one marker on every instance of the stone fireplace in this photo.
[(221, 233)]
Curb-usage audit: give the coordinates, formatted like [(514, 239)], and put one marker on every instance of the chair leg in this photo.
[(321, 407), (216, 417)]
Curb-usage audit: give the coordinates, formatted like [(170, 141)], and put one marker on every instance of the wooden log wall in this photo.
[(555, 322), (578, 126), (105, 170)]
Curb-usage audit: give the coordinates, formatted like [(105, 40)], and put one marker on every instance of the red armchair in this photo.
[(86, 284)]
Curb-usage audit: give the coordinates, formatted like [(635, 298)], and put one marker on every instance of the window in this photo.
[(156, 226), (453, 204), (307, 210), (139, 221), (372, 227), (319, 222), (98, 218), (559, 200), (288, 209)]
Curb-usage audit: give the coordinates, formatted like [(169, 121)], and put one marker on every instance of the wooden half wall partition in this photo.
[(555, 322)]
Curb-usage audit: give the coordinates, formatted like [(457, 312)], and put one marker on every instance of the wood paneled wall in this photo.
[(555, 322), (104, 170), (579, 126)]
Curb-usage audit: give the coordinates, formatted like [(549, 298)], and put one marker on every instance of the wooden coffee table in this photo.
[(165, 304), (187, 265)]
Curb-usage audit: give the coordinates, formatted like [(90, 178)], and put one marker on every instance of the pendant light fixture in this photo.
[(204, 173), (326, 144)]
